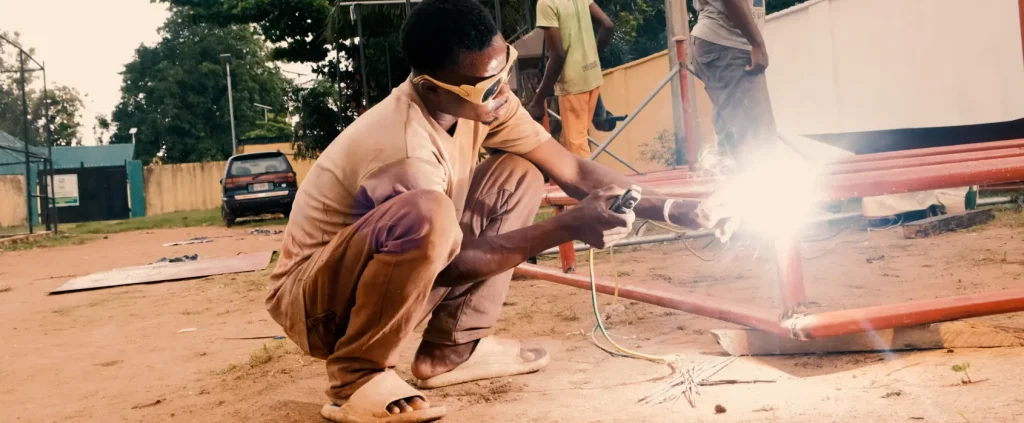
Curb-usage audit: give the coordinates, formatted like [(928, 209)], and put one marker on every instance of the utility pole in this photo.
[(24, 136), (226, 58)]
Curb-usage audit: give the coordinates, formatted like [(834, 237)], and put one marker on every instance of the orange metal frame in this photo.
[(860, 176)]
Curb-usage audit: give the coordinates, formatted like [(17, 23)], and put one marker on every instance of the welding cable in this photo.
[(683, 240), (619, 350)]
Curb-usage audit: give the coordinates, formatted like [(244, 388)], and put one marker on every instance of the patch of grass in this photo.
[(261, 356), (80, 233), (1010, 217), (164, 221), (56, 240), (568, 314), (525, 313), (186, 219), (543, 214)]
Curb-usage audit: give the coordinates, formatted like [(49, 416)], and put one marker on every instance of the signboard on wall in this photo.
[(65, 190)]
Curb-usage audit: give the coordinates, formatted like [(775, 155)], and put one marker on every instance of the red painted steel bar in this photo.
[(791, 276), (933, 151), (566, 251), (923, 178), (667, 296), (904, 163), (866, 184), (913, 313)]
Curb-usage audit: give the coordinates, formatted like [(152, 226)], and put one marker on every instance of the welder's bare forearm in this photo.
[(740, 15), (481, 258)]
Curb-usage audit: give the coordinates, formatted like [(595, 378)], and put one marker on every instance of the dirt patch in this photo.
[(124, 351)]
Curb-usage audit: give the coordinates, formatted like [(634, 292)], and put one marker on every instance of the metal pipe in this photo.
[(932, 151), (1003, 187), (992, 201), (640, 240), (692, 141), (923, 178), (565, 251), (908, 314), (903, 163), (667, 296), (592, 141), (790, 269), (866, 184), (632, 116)]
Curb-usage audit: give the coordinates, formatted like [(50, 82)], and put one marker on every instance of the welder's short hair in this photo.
[(437, 32)]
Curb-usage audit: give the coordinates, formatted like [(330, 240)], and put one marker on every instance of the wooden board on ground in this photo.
[(947, 223), (740, 342), (164, 272)]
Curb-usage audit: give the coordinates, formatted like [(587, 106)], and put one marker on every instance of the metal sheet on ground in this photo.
[(165, 272), (740, 342)]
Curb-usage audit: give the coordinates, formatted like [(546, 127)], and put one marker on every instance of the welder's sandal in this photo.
[(493, 357), (369, 404)]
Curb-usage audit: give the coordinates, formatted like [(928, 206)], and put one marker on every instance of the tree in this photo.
[(175, 92), (323, 32), (101, 128), (65, 102), (65, 107), (320, 117)]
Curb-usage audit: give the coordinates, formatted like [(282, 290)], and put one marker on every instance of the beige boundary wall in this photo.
[(12, 200), (196, 186)]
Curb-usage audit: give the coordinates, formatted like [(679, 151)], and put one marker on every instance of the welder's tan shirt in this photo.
[(393, 148)]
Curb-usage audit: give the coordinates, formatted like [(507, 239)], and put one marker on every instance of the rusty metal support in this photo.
[(667, 296)]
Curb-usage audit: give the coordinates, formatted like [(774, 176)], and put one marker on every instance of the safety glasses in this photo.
[(483, 91)]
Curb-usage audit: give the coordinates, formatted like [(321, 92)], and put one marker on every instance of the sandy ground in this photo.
[(117, 354)]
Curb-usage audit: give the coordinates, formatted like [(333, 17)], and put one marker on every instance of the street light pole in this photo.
[(265, 109), (226, 58), (132, 132)]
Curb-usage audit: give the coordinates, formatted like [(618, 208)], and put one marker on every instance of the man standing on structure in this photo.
[(396, 224), (573, 70), (729, 55)]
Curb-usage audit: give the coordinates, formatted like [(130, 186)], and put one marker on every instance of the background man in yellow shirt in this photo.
[(574, 68)]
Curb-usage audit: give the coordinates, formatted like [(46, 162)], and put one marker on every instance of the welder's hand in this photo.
[(536, 109), (716, 215), (593, 222), (758, 60)]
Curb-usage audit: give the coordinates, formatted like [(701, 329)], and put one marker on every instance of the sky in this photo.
[(86, 43)]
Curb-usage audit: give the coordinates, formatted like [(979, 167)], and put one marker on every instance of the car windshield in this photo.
[(258, 165)]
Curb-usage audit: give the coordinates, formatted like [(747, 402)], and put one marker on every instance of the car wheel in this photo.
[(229, 219)]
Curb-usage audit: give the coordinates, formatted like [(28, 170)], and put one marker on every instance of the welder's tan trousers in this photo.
[(358, 298)]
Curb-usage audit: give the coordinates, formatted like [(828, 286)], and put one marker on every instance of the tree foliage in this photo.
[(324, 33), (175, 92), (65, 103)]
